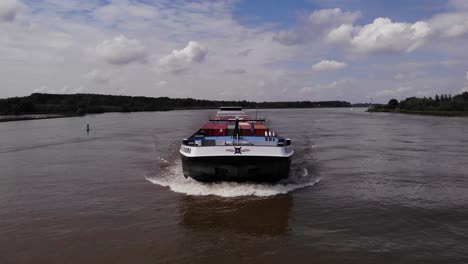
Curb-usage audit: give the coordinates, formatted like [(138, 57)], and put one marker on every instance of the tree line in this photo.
[(40, 103), (440, 103)]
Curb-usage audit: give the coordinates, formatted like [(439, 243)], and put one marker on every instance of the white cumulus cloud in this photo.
[(341, 34), (382, 36), (179, 60), (121, 50), (450, 24), (316, 24), (8, 10), (329, 65), (333, 16)]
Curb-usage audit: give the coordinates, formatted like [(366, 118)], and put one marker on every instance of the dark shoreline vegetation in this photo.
[(81, 104), (440, 105)]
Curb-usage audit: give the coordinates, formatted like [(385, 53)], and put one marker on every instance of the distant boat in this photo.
[(234, 147)]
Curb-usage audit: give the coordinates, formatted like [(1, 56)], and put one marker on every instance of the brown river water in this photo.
[(364, 188)]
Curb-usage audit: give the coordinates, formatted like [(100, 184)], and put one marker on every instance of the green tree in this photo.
[(393, 103)]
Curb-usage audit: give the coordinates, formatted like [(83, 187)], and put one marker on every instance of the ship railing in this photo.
[(235, 142)]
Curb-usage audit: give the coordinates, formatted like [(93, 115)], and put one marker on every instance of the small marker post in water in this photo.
[(87, 128)]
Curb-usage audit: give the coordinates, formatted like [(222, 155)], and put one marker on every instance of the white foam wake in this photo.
[(172, 177), (163, 160)]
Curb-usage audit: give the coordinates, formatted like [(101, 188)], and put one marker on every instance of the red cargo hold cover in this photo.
[(214, 129)]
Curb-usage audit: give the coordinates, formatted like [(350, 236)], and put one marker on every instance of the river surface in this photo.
[(364, 188)]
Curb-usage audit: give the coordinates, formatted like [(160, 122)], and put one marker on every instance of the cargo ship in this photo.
[(234, 147)]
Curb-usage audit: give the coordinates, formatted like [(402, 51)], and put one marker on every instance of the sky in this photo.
[(255, 50)]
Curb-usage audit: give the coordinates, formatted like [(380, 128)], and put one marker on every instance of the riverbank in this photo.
[(419, 112), (11, 118)]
